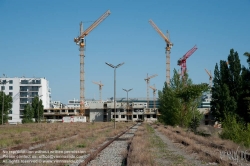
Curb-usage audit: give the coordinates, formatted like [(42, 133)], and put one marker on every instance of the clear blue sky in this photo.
[(36, 39)]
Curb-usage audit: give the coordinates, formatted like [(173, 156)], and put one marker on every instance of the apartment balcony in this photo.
[(150, 111)]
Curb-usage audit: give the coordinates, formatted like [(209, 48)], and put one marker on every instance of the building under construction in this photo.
[(103, 111)]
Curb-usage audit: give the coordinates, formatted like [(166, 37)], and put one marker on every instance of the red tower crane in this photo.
[(182, 61)]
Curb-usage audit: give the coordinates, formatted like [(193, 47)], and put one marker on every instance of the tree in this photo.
[(216, 90), (190, 96), (227, 87), (28, 114), (235, 79), (244, 103), (37, 106), (179, 101), (247, 54), (7, 106), (169, 112)]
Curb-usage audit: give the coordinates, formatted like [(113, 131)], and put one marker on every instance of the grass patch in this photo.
[(139, 151), (207, 148), (83, 145), (5, 143), (18, 141), (161, 152)]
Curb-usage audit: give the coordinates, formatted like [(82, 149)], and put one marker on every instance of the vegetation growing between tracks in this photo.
[(26, 134), (209, 149), (140, 148), (146, 148)]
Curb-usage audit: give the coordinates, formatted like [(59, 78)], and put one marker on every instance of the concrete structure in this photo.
[(104, 110), (23, 90), (135, 110), (205, 109)]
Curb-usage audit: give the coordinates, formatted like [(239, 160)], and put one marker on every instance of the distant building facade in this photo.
[(23, 90), (205, 109), (102, 111)]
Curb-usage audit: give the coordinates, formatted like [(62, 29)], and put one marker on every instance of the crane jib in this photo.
[(96, 23)]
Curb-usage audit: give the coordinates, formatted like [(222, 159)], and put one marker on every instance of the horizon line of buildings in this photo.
[(23, 90)]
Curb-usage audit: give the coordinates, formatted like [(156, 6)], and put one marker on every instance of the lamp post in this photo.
[(127, 96), (3, 82), (114, 67)]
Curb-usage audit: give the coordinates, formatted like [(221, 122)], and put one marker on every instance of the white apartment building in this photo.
[(23, 90)]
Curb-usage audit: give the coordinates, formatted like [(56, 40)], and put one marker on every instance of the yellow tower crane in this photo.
[(81, 42), (154, 92), (100, 88), (168, 48), (210, 78), (148, 80)]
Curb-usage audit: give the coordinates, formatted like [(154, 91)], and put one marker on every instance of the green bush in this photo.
[(194, 124), (235, 130), (27, 120)]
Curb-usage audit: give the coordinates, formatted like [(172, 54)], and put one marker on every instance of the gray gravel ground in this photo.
[(112, 155)]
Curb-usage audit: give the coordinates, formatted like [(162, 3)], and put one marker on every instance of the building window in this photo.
[(3, 88), (10, 87), (116, 116), (148, 116), (113, 116), (24, 82), (10, 111), (10, 81), (10, 118), (10, 93), (154, 116), (134, 116), (123, 116), (21, 113)]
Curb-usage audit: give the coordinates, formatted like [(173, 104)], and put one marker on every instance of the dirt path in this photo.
[(171, 154)]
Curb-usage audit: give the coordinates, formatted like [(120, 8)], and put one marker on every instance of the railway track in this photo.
[(212, 152), (110, 153), (83, 158), (40, 144)]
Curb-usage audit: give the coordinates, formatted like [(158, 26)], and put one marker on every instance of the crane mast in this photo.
[(81, 42), (82, 97), (148, 81), (100, 89), (154, 92), (168, 49)]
